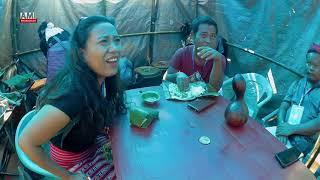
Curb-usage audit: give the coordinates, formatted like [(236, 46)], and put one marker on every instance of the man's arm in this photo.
[(283, 112), (308, 128), (171, 74), (281, 119), (174, 64), (216, 74), (285, 129)]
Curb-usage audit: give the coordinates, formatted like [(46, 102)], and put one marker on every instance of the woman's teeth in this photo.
[(112, 60)]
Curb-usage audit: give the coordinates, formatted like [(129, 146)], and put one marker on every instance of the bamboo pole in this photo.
[(123, 35), (150, 33), (265, 58), (177, 32), (196, 9), (154, 15), (27, 52), (14, 27)]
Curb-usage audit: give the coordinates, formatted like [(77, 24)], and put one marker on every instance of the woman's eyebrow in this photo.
[(108, 36)]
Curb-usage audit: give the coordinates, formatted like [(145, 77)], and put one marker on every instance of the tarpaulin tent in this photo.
[(282, 31)]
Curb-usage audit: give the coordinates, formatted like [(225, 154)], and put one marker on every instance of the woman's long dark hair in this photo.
[(42, 36), (99, 111)]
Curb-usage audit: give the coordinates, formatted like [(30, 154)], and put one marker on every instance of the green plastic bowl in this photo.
[(150, 97)]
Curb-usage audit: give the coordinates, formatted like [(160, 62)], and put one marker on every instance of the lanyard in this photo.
[(103, 89), (305, 93)]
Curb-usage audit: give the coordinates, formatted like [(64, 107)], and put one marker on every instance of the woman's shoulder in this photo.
[(67, 89), (300, 83), (67, 97)]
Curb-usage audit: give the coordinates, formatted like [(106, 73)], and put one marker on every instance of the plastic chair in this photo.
[(270, 117), (312, 161), (258, 92), (24, 159)]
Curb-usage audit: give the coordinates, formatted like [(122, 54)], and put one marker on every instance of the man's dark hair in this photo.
[(203, 20)]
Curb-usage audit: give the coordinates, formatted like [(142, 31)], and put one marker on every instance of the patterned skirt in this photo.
[(91, 162)]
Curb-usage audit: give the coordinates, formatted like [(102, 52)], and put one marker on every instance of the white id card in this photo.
[(295, 115)]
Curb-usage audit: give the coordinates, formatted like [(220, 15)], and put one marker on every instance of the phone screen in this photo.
[(288, 156)]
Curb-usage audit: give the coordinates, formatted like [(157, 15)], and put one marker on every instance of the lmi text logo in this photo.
[(28, 17)]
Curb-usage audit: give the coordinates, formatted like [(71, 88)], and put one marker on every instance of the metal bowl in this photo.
[(150, 97)]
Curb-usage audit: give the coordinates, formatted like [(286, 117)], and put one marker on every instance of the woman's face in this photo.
[(102, 50)]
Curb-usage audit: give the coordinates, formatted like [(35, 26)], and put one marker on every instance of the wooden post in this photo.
[(154, 14)]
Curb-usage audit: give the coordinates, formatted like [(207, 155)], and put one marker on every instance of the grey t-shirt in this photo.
[(311, 104), (311, 101)]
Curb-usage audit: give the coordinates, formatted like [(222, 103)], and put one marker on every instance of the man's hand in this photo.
[(285, 129), (182, 81), (283, 139), (208, 53), (195, 77)]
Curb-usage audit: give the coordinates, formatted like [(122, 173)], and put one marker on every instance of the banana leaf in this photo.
[(142, 117)]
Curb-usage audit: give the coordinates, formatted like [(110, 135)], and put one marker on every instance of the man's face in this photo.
[(313, 67), (206, 36)]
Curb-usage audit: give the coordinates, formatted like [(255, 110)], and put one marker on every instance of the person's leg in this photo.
[(97, 165)]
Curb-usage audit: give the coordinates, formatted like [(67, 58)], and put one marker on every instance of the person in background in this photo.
[(54, 42), (299, 113), (202, 57), (76, 108)]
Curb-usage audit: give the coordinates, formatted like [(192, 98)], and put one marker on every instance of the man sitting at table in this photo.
[(202, 57), (301, 106)]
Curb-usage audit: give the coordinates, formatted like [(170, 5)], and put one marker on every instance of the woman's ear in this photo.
[(82, 53)]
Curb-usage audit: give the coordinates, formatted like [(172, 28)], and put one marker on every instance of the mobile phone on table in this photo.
[(201, 104), (288, 156)]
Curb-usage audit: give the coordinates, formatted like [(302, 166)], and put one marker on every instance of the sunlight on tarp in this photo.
[(86, 1), (202, 2), (271, 80), (114, 1)]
